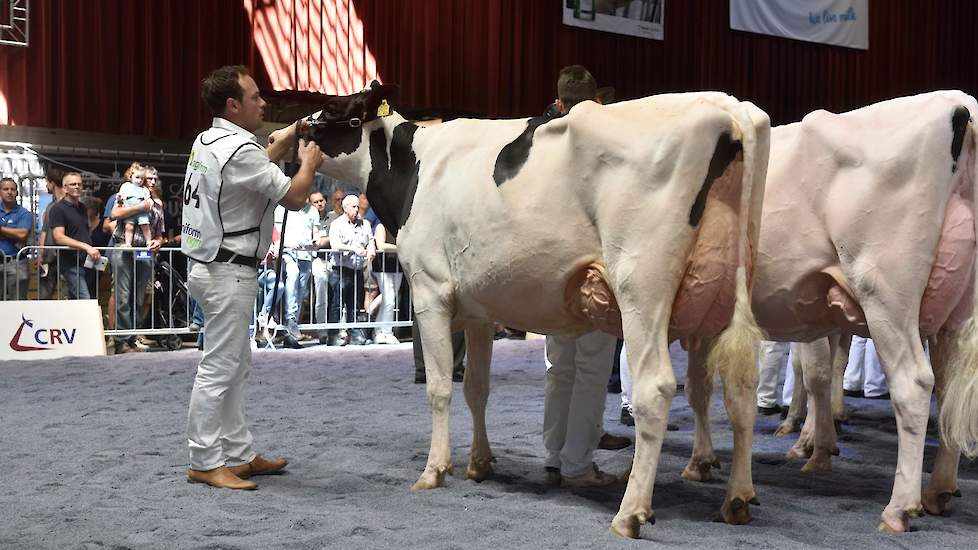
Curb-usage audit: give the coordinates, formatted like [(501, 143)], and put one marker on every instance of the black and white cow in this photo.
[(636, 218)]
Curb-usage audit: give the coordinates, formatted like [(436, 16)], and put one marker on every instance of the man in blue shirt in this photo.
[(15, 226)]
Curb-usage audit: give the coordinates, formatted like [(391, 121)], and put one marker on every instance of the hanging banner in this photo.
[(838, 22), (641, 18)]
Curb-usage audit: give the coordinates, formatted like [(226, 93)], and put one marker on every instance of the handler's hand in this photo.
[(309, 153)]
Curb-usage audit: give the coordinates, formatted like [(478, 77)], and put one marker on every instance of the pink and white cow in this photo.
[(868, 228), (541, 224)]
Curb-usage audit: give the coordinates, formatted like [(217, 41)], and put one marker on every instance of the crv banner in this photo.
[(837, 22)]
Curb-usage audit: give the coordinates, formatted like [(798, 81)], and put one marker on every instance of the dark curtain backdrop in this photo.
[(134, 66)]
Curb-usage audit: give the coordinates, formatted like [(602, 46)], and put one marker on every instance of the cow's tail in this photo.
[(959, 406), (734, 352)]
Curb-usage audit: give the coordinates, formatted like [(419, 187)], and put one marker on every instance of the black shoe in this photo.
[(458, 376), (885, 396), (626, 417), (552, 476), (768, 411), (357, 340), (670, 427), (613, 442), (291, 343), (853, 393)]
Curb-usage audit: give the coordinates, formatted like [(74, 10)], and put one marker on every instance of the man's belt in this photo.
[(225, 256)]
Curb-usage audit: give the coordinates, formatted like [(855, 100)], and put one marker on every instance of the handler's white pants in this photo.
[(573, 410), (771, 362), (863, 371), (320, 276), (217, 431), (626, 380)]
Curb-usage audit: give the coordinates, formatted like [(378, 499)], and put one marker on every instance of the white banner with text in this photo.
[(837, 22), (45, 329), (642, 18)]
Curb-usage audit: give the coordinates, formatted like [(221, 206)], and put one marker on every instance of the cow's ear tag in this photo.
[(384, 109)]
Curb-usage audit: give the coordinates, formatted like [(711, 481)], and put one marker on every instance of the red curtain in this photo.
[(121, 66), (134, 66)]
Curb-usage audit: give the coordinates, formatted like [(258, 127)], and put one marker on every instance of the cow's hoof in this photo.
[(936, 504), (628, 525), (796, 453), (817, 465), (957, 493), (479, 470), (431, 478), (916, 512), (892, 524), (789, 426), (700, 470), (735, 512)]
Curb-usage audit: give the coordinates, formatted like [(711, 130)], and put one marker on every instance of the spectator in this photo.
[(69, 224), (388, 272), (321, 266), (93, 211), (351, 236), (134, 193), (46, 259), (301, 232), (15, 226), (131, 271)]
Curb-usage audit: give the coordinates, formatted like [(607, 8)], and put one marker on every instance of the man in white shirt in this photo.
[(229, 195), (301, 234), (352, 237)]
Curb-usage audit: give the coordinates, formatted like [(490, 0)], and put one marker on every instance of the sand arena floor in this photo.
[(94, 453)]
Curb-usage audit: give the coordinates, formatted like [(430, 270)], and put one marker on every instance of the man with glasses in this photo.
[(69, 222)]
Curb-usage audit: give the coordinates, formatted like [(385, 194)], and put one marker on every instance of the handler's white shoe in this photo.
[(592, 478)]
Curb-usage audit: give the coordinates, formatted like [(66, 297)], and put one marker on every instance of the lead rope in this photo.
[(291, 168)]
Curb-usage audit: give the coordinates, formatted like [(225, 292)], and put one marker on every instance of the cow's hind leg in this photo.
[(734, 357), (798, 410), (944, 478), (699, 389), (817, 366), (653, 386), (478, 343), (436, 341), (911, 381)]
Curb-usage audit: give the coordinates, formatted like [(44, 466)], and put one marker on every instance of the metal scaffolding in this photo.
[(14, 18)]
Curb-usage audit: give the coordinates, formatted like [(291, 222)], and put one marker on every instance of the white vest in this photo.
[(217, 213)]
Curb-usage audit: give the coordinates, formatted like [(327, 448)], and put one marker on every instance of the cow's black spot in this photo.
[(724, 153), (393, 179), (959, 123), (513, 156)]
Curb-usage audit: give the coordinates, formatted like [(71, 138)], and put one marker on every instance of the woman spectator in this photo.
[(388, 272), (99, 285)]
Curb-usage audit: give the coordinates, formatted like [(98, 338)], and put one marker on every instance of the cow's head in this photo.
[(337, 128)]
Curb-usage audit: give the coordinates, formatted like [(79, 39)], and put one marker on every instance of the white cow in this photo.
[(868, 228), (541, 224)]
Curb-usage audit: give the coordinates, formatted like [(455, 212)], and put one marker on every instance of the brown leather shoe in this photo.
[(220, 477), (259, 466), (613, 442)]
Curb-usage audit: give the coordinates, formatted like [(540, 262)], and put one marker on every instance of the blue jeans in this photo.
[(266, 282), (296, 286), (130, 291), (75, 281)]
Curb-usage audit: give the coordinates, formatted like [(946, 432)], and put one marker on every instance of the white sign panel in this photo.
[(837, 22), (641, 18), (45, 329)]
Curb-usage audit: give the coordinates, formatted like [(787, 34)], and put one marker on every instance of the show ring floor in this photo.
[(94, 454)]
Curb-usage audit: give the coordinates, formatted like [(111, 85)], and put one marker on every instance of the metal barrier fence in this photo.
[(145, 293)]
